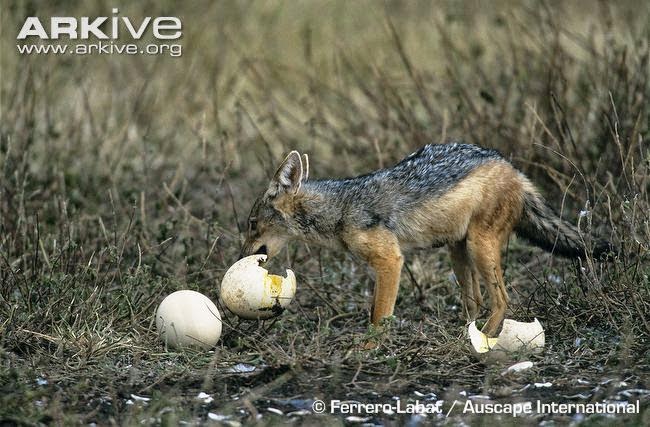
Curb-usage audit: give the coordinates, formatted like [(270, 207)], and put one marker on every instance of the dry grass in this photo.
[(125, 178)]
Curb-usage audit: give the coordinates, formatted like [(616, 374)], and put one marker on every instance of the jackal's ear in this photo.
[(288, 177), (305, 167)]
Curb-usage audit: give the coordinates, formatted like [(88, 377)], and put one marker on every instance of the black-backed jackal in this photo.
[(467, 197)]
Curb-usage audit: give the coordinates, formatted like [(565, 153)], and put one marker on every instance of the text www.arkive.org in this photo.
[(101, 48)]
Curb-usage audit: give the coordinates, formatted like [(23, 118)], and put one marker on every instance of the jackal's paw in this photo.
[(492, 328)]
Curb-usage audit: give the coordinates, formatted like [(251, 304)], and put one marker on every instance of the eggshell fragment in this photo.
[(188, 319), (250, 292), (518, 367), (515, 338)]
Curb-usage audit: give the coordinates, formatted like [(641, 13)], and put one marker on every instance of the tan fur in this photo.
[(380, 248), (468, 278), (285, 204), (447, 218)]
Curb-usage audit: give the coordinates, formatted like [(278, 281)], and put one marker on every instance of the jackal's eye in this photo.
[(252, 224)]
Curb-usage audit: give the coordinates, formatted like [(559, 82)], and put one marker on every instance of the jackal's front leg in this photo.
[(380, 248), (388, 273)]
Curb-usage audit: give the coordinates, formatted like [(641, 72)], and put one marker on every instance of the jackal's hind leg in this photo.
[(476, 286), (486, 253), (467, 278)]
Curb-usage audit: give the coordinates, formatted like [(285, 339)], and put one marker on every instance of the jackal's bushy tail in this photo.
[(544, 228)]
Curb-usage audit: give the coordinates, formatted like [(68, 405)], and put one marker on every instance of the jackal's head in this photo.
[(270, 223)]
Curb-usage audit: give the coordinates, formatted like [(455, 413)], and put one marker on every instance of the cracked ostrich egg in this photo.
[(514, 338), (249, 291), (188, 319)]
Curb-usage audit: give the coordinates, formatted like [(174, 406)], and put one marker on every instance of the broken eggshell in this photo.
[(250, 292), (515, 338)]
